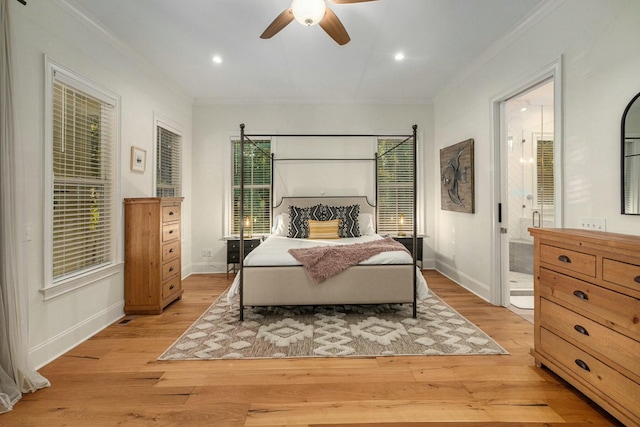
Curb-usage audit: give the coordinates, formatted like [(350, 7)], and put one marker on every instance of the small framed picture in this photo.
[(138, 159)]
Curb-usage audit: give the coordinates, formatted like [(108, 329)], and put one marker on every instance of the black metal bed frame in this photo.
[(244, 137)]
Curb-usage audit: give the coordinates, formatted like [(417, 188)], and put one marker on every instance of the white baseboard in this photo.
[(428, 263), (65, 341), (467, 282), (208, 267)]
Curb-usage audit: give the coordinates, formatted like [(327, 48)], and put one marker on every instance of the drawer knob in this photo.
[(171, 250), (171, 287), (565, 259), (170, 231), (583, 365), (171, 269), (636, 279), (581, 329), (171, 213), (581, 295)]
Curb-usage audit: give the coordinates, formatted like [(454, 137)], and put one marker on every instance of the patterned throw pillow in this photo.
[(324, 229), (348, 216), (299, 220)]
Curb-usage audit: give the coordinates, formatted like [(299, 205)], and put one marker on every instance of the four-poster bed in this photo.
[(271, 276)]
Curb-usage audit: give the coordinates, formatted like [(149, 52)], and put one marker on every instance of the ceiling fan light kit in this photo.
[(312, 12), (308, 12)]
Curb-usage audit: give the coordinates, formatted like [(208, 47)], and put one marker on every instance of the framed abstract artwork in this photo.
[(456, 177), (138, 159)]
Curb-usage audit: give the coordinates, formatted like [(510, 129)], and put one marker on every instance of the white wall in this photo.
[(598, 43), (214, 124), (52, 28)]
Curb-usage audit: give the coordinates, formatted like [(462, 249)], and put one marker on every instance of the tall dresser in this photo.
[(152, 260), (587, 314)]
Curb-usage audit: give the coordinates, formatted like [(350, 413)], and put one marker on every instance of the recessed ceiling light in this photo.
[(399, 56), (217, 59)]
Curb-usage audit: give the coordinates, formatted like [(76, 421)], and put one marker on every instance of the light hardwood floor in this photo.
[(114, 379)]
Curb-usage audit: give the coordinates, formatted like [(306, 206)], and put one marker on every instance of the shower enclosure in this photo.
[(529, 118)]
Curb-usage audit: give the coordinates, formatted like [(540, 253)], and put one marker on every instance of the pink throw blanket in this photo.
[(322, 262)]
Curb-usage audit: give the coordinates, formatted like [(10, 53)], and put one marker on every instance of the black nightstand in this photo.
[(233, 251), (407, 241)]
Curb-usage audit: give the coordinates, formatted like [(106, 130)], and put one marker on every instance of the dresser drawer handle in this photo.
[(565, 259), (581, 295), (581, 329), (636, 279), (171, 250), (583, 365), (171, 269), (171, 213), (170, 231), (173, 286)]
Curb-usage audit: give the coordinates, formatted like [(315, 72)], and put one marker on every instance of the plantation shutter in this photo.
[(395, 187), (257, 187), (168, 163), (83, 140), (545, 180)]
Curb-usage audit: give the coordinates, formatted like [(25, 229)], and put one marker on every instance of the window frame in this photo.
[(229, 219), (176, 129), (53, 287), (420, 220)]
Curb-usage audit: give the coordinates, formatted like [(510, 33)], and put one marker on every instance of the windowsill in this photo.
[(78, 282)]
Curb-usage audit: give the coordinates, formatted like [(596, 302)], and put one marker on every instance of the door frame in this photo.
[(499, 293)]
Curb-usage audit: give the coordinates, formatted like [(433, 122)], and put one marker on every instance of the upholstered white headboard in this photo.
[(303, 202)]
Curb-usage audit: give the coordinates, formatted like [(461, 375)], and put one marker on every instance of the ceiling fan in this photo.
[(312, 12)]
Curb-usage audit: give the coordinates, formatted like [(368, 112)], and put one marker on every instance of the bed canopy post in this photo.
[(240, 271), (376, 158), (271, 195), (415, 220)]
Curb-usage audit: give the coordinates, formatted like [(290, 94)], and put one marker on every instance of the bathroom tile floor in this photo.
[(521, 294)]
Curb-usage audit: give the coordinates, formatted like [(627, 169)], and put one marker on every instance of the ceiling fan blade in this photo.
[(349, 1), (278, 24), (332, 26)]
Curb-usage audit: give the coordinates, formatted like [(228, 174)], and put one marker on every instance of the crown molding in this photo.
[(95, 26), (311, 101), (524, 25)]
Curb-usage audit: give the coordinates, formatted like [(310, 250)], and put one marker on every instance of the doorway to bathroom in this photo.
[(527, 180), (528, 151)]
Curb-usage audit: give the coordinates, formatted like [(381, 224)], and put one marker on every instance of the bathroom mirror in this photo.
[(631, 158)]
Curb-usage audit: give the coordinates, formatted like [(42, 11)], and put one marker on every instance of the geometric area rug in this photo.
[(330, 331)]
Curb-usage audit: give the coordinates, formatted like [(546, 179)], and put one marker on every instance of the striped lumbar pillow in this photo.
[(324, 229)]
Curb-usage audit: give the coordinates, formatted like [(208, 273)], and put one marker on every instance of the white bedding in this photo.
[(274, 252)]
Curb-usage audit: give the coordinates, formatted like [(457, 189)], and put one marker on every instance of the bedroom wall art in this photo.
[(456, 177), (138, 159)]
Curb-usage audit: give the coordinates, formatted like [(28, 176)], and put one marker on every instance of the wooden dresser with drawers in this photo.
[(587, 314), (152, 254)]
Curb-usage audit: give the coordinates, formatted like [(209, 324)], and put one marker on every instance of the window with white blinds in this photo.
[(395, 187), (544, 172), (168, 163), (83, 209), (257, 187)]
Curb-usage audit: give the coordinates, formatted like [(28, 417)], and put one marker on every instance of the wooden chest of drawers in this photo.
[(152, 271), (587, 314)]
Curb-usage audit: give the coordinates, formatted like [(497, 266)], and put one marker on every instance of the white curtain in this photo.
[(16, 374)]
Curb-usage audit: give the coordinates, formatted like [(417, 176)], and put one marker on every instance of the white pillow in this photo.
[(280, 225), (365, 222)]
